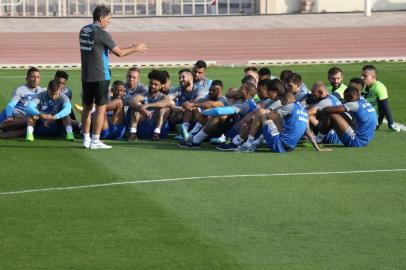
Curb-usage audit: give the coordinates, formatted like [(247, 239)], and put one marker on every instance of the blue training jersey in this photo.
[(364, 118), (294, 125)]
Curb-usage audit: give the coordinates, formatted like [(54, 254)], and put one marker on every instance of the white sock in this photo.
[(86, 136), (30, 129), (196, 128), (237, 140), (320, 137), (157, 130), (69, 129), (258, 141), (186, 125), (199, 137), (95, 138), (133, 130), (251, 138)]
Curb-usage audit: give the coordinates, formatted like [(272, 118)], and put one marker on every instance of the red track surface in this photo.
[(223, 46)]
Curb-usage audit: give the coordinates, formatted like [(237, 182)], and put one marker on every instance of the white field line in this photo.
[(165, 180), (401, 126)]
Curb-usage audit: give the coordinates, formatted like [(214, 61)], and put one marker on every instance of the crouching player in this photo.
[(113, 126), (149, 112), (44, 111), (357, 132)]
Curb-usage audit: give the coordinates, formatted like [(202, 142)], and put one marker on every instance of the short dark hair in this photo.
[(285, 74), (166, 73), (276, 85), (32, 69), (358, 81), (352, 91), (184, 70), (249, 79), (200, 64), (118, 83), (217, 83), (294, 78), (61, 74), (53, 86), (101, 11), (264, 71), (263, 83), (251, 68), (252, 90), (334, 71), (157, 75), (370, 67)]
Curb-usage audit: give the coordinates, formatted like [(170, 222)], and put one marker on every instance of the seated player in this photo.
[(224, 119), (200, 82), (214, 99), (355, 132), (114, 126), (357, 83), (167, 87), (377, 94), (44, 111), (133, 85), (295, 84), (185, 92), (251, 124), (320, 98), (13, 119), (252, 71), (148, 112), (264, 73), (284, 127), (336, 76)]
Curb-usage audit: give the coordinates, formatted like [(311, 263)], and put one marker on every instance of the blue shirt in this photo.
[(364, 118), (294, 125)]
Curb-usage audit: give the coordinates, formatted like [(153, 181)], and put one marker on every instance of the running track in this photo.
[(223, 46)]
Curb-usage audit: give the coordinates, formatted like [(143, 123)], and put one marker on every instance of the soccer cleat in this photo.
[(184, 132), (219, 140), (86, 144), (99, 145), (70, 136), (394, 128), (78, 108), (132, 137), (29, 137), (227, 147), (155, 136), (178, 138), (189, 145), (246, 147)]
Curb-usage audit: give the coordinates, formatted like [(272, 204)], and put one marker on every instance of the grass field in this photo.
[(260, 211)]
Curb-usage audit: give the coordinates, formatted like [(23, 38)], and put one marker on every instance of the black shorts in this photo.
[(95, 92)]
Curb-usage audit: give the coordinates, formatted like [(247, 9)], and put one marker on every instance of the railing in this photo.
[(131, 8)]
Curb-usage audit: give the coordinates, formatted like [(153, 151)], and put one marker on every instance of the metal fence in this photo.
[(126, 8)]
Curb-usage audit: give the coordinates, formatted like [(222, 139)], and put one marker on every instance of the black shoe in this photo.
[(132, 137), (190, 145), (227, 147)]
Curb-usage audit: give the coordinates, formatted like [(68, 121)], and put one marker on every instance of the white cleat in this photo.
[(246, 148), (86, 144), (99, 145)]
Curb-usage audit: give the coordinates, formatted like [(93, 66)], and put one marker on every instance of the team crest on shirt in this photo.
[(87, 30)]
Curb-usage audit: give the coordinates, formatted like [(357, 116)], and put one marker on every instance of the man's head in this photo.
[(133, 77), (62, 77), (216, 89), (351, 94), (263, 89), (102, 15), (118, 89), (252, 71), (199, 70), (276, 89), (185, 78), (369, 74), (156, 80), (335, 77), (247, 91), (357, 83), (319, 91), (264, 73), (54, 89), (288, 98), (167, 84), (293, 83), (285, 74), (33, 77)]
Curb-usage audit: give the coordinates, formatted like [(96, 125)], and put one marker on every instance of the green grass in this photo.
[(337, 221)]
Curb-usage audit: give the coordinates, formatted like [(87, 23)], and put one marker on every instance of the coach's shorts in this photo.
[(272, 138), (113, 132), (351, 139), (95, 92), (146, 129), (54, 129)]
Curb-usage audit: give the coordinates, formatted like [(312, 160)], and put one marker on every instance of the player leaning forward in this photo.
[(95, 44)]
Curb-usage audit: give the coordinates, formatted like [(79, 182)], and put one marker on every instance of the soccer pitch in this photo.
[(152, 205)]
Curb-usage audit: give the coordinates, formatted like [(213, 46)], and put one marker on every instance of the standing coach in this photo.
[(95, 44)]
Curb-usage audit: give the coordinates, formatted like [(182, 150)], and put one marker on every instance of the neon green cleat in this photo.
[(29, 137), (70, 136)]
